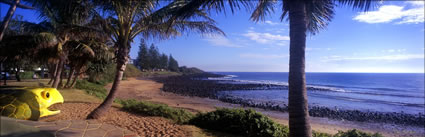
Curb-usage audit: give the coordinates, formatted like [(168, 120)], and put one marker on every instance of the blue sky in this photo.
[(387, 39)]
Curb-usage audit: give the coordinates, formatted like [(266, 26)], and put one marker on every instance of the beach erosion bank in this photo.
[(149, 90)]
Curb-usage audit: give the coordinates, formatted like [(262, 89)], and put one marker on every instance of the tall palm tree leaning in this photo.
[(130, 18), (304, 16)]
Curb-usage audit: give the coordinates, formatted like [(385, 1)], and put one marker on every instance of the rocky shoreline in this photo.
[(198, 85)]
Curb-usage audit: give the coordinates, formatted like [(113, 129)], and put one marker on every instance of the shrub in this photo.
[(146, 108), (107, 74), (132, 71), (356, 133), (318, 134), (241, 122), (26, 75), (92, 88)]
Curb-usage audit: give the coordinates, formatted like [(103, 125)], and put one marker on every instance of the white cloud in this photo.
[(411, 12), (376, 58), (263, 56), (222, 41), (393, 50), (417, 3), (265, 38), (271, 22)]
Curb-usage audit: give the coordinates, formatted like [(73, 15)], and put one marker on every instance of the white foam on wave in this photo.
[(269, 82), (263, 82), (327, 88), (227, 77)]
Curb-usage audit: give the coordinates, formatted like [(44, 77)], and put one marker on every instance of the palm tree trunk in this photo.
[(58, 74), (42, 72), (1, 68), (74, 80), (8, 17), (71, 74), (122, 60), (61, 78), (299, 121), (4, 78), (18, 78), (53, 73), (77, 73)]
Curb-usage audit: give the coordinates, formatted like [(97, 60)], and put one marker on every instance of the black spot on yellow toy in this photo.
[(28, 103)]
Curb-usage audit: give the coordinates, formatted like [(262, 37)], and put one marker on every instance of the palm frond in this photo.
[(319, 14), (162, 25), (364, 5), (77, 32), (202, 27), (218, 5), (33, 47), (263, 8)]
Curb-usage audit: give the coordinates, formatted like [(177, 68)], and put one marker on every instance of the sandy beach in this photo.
[(148, 90)]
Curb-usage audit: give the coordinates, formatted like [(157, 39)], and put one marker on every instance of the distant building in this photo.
[(131, 61)]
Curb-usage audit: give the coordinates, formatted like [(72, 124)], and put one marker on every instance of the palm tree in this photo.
[(131, 18), (25, 40), (20, 50), (71, 20), (304, 16), (13, 5), (83, 53)]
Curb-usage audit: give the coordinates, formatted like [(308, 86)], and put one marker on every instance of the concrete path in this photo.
[(64, 128)]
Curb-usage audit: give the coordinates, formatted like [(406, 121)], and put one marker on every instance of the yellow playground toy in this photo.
[(28, 103)]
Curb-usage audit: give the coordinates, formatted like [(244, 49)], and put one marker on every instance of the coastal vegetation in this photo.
[(149, 59), (243, 122), (151, 109), (128, 19), (74, 40), (96, 87)]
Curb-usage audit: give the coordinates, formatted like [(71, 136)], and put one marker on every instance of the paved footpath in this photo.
[(64, 128)]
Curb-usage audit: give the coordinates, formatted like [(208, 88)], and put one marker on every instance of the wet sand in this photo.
[(148, 90)]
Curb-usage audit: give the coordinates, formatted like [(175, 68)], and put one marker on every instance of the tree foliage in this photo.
[(173, 65), (151, 59)]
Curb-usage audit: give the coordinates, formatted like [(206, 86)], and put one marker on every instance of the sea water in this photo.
[(384, 92)]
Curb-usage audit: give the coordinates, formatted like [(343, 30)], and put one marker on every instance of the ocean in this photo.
[(383, 92)]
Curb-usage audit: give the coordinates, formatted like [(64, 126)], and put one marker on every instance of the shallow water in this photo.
[(384, 92)]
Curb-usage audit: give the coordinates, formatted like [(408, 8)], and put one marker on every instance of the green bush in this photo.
[(26, 75), (92, 88), (356, 133), (132, 71), (241, 122), (108, 74), (146, 108), (318, 134)]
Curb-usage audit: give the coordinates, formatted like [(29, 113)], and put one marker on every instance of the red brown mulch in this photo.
[(144, 126)]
